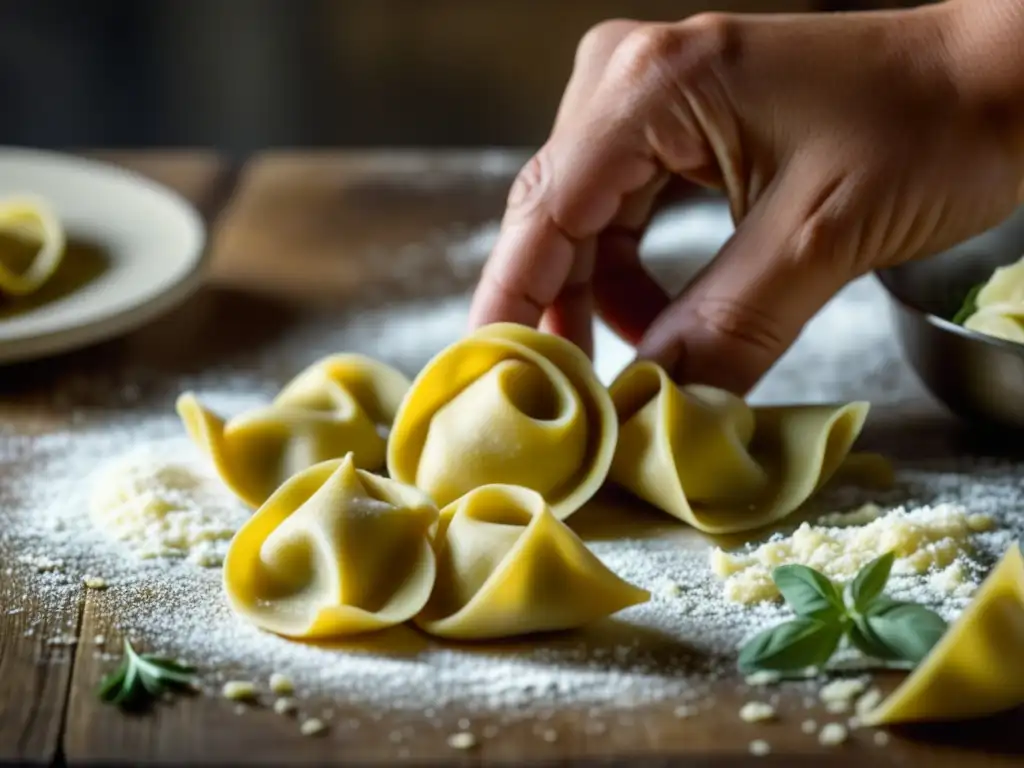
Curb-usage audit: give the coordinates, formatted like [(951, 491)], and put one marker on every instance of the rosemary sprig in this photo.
[(140, 678)]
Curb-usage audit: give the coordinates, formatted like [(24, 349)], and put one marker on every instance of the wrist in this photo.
[(985, 60)]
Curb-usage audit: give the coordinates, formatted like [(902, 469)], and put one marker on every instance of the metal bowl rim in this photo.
[(1011, 347)]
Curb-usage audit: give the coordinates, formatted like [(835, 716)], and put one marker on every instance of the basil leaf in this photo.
[(908, 630), (795, 644), (863, 637), (869, 582), (970, 305), (809, 593)]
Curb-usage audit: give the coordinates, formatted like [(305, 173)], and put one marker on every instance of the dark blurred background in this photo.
[(242, 75)]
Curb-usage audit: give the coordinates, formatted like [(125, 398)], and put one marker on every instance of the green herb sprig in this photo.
[(880, 627), (970, 305), (140, 678)]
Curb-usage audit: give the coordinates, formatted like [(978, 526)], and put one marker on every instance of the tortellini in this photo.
[(335, 551), (506, 405), (999, 305), (506, 566), (30, 221), (706, 457), (976, 669), (341, 404)]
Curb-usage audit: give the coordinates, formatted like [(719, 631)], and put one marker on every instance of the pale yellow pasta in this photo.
[(30, 219), (976, 669), (706, 457), (1006, 286), (1002, 321), (341, 404), (506, 566), (507, 405), (335, 551)]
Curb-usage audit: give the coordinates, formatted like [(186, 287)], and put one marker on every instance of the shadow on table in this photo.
[(997, 735)]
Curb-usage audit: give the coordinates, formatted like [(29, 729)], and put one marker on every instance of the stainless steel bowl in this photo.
[(977, 377)]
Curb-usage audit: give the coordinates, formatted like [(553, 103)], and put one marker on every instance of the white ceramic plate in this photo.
[(153, 241)]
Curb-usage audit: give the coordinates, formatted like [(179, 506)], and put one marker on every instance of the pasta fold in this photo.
[(706, 457), (335, 551), (506, 405), (506, 566), (341, 404)]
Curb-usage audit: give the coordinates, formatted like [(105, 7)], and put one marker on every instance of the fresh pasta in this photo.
[(32, 221), (506, 566), (506, 405), (341, 404), (335, 551), (706, 457)]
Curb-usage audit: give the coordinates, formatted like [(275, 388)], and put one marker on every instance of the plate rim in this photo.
[(70, 338)]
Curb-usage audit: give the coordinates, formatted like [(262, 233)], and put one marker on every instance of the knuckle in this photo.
[(646, 50), (743, 323), (681, 53), (531, 181), (600, 40)]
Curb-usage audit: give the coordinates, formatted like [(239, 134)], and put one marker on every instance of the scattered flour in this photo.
[(673, 648)]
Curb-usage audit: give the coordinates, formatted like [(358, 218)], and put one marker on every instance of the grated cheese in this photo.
[(832, 734), (756, 712), (760, 747), (161, 508), (925, 540)]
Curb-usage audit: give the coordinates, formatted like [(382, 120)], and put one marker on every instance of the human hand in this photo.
[(844, 143)]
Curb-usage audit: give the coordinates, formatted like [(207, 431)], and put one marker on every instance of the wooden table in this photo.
[(295, 237)]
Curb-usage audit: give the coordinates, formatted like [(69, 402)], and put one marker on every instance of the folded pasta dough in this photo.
[(30, 220), (976, 669), (341, 404), (1005, 286), (506, 566), (335, 551), (706, 457), (1002, 321), (509, 405)]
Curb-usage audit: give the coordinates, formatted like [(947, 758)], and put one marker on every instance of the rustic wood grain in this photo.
[(206, 180), (35, 673), (311, 230)]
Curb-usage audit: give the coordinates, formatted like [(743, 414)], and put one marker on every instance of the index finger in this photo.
[(567, 193)]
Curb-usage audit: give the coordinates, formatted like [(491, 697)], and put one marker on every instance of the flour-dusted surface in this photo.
[(674, 647)]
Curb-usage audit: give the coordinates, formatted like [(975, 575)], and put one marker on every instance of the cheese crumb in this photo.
[(841, 692), (760, 747), (809, 726), (462, 740), (756, 712), (99, 640), (550, 736), (763, 677), (832, 734), (238, 690), (684, 711), (868, 702), (312, 727), (924, 540), (95, 582), (285, 706), (281, 684), (881, 738)]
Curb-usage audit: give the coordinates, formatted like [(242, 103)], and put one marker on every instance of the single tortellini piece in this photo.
[(976, 669), (506, 566), (339, 405), (506, 405), (999, 305), (335, 551), (706, 457)]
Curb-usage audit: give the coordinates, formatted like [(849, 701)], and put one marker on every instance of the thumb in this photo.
[(786, 259)]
